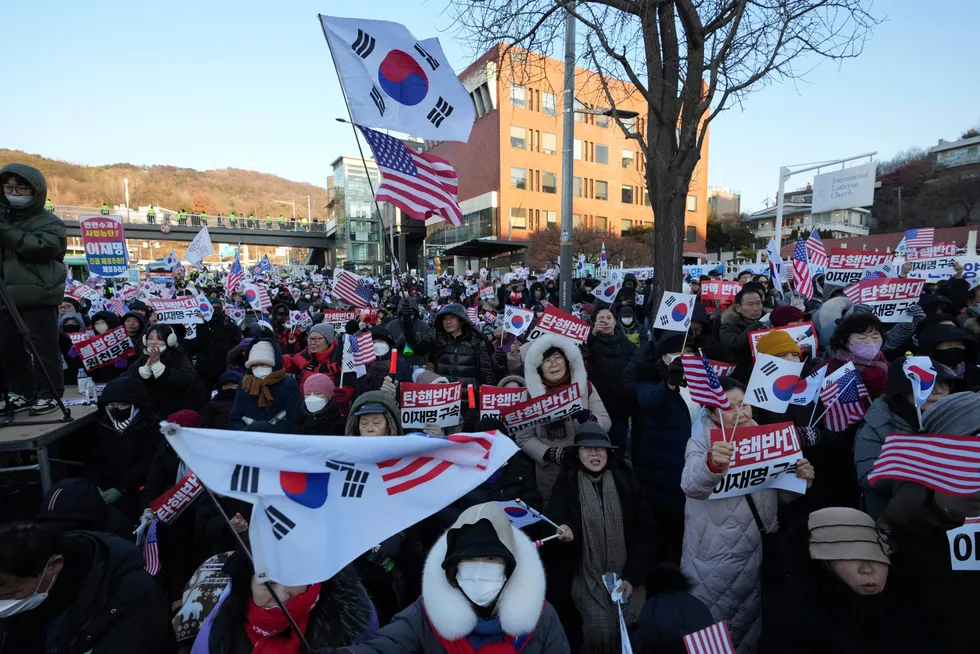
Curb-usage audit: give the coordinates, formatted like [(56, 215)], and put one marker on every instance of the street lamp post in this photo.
[(568, 141)]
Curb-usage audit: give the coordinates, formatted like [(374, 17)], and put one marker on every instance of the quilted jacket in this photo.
[(722, 545)]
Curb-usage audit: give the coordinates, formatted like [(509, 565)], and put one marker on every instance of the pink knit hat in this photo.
[(319, 383)]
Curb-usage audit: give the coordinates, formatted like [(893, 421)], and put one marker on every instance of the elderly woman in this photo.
[(550, 363), (609, 528), (320, 355), (723, 537), (267, 391)]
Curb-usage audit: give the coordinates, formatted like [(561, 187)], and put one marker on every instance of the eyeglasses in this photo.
[(315, 339), (17, 190), (555, 359)]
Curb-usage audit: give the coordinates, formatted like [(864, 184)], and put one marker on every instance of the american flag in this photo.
[(117, 305), (721, 368), (815, 250), (947, 464), (352, 289), (842, 399), (151, 549), (713, 640), (473, 314), (801, 270), (235, 276), (702, 382), (421, 185), (400, 475), (921, 237), (263, 266), (362, 349)]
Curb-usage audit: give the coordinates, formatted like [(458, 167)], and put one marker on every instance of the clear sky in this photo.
[(214, 83)]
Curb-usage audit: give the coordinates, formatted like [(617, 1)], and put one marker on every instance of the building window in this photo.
[(518, 218), (549, 183), (550, 217), (627, 192), (602, 121), (627, 159), (578, 106), (625, 225), (577, 187), (602, 154), (518, 96), (601, 223), (518, 137), (576, 221), (577, 149), (548, 104), (601, 190), (549, 143), (646, 197), (518, 178), (692, 203), (692, 234)]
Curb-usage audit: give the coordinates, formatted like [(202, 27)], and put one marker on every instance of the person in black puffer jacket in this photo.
[(610, 352), (75, 504), (215, 338), (218, 409), (456, 348), (407, 328), (166, 373)]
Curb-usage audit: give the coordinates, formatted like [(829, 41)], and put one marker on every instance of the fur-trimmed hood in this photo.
[(521, 602), (731, 317), (535, 355)]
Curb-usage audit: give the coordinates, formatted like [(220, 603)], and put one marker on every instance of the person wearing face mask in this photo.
[(102, 322), (608, 527), (219, 407), (953, 349), (634, 331), (33, 243), (81, 591), (859, 339), (609, 353), (379, 370), (737, 321), (321, 415), (842, 595), (166, 373), (723, 538), (266, 391), (70, 324), (122, 444), (483, 590)]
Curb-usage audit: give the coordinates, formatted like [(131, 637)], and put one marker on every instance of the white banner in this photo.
[(765, 457), (844, 189), (544, 410), (179, 311), (964, 545), (425, 403)]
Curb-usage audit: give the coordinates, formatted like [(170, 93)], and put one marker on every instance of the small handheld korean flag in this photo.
[(607, 290), (772, 383), (807, 388), (922, 374), (204, 306), (517, 320), (675, 311), (519, 516)]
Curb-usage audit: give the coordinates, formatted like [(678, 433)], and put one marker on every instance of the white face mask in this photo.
[(314, 403), (262, 371), (669, 358), (381, 348), (481, 581), (626, 321), (32, 601), (19, 201)]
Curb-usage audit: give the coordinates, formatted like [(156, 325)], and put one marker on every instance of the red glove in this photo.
[(342, 397)]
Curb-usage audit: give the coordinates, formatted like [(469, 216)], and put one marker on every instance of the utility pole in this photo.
[(567, 163)]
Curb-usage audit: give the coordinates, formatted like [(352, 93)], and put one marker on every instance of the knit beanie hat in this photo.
[(777, 342), (957, 414), (325, 330), (841, 533), (261, 353), (319, 383), (785, 314), (185, 418)]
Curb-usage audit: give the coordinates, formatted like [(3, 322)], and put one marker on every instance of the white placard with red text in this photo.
[(543, 410), (103, 350), (556, 321), (178, 311), (765, 457), (176, 500), (934, 251), (495, 398), (846, 266), (889, 298), (425, 403), (964, 545), (804, 334), (339, 319)]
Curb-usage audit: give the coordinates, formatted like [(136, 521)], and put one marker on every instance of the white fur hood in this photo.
[(535, 355)]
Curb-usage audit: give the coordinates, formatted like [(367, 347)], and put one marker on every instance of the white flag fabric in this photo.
[(204, 306), (675, 311), (807, 388), (518, 515), (772, 383), (172, 260), (322, 501), (922, 374), (776, 265), (607, 290), (199, 248), (394, 81), (517, 320)]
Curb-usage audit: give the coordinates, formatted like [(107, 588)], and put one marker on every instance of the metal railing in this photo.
[(67, 212)]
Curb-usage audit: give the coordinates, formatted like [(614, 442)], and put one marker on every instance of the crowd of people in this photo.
[(848, 566)]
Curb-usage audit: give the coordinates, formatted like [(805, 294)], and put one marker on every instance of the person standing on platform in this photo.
[(49, 205), (151, 215), (268, 221), (105, 209)]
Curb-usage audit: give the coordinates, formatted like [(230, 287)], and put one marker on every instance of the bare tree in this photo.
[(688, 59)]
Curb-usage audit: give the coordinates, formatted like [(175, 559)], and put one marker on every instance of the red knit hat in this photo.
[(185, 418), (784, 315), (319, 383)]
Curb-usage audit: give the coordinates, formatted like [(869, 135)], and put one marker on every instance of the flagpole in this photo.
[(721, 423), (827, 407)]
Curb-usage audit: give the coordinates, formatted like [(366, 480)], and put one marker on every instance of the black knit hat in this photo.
[(474, 541)]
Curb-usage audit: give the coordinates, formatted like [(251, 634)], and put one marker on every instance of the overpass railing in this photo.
[(67, 212)]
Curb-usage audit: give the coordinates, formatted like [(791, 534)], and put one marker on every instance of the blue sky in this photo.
[(214, 83)]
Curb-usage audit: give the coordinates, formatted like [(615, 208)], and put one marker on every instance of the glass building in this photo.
[(354, 224)]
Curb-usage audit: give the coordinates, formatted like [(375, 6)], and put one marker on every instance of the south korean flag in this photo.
[(675, 312), (394, 81), (773, 383)]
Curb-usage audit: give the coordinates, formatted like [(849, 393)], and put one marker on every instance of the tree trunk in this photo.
[(668, 240)]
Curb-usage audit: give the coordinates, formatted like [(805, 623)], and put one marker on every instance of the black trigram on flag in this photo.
[(769, 368), (281, 525), (425, 55), (440, 112), (363, 45), (245, 479), (354, 484), (761, 396), (379, 100), (671, 300), (664, 320)]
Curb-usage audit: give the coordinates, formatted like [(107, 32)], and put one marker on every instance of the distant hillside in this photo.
[(214, 191)]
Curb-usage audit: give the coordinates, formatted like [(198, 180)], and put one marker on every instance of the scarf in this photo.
[(265, 627), (603, 550), (484, 640), (255, 386), (878, 362)]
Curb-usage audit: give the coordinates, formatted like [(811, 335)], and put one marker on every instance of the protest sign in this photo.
[(339, 319), (78, 337), (543, 410), (105, 245), (176, 311), (160, 279), (964, 545), (425, 403), (556, 321), (804, 334), (300, 319), (172, 503), (84, 291), (934, 251), (765, 457), (696, 271), (718, 296), (495, 398), (847, 266), (889, 298), (934, 270), (103, 350), (487, 292), (722, 369)]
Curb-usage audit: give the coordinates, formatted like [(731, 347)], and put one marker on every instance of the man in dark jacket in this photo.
[(736, 323), (78, 592), (32, 252), (456, 348), (407, 328)]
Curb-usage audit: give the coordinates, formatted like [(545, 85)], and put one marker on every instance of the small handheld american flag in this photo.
[(921, 237), (947, 464), (151, 549), (801, 270), (713, 640), (843, 400), (815, 250), (702, 382), (362, 349), (235, 276), (351, 289)]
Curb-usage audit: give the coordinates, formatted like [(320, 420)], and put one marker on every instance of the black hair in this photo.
[(26, 548), (856, 323), (730, 383), (750, 287)]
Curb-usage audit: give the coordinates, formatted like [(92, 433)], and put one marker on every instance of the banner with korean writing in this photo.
[(425, 403), (495, 398), (889, 298), (556, 321), (176, 500), (964, 545), (176, 311), (488, 292), (103, 350), (846, 266), (940, 268), (934, 251), (544, 410), (718, 296), (78, 337), (804, 334), (84, 291), (765, 457), (105, 245), (339, 319)]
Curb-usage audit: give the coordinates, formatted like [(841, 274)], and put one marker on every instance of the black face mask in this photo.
[(951, 357), (118, 414), (70, 327), (226, 394)]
